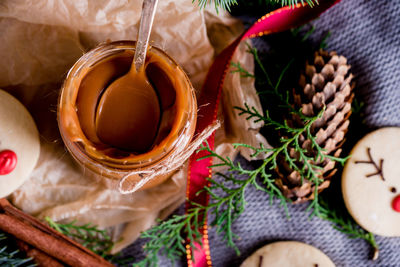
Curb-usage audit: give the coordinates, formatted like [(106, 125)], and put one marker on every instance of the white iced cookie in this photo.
[(288, 254), (371, 182), (19, 144)]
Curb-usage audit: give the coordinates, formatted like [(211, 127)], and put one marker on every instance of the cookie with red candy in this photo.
[(19, 144)]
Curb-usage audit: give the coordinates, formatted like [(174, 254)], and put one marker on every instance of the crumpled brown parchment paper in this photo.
[(40, 40)]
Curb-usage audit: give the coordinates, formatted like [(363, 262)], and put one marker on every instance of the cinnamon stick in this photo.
[(11, 210), (46, 239), (47, 243), (39, 257)]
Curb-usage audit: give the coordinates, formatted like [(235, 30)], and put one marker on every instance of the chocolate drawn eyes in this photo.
[(393, 190)]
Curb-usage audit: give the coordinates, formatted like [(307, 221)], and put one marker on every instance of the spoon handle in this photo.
[(146, 23)]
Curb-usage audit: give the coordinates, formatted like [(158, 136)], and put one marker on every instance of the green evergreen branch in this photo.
[(251, 112), (227, 4), (310, 168), (320, 208), (168, 237), (243, 72), (10, 257), (253, 51), (308, 33), (227, 191), (228, 207), (218, 4), (272, 89), (88, 235), (343, 222), (323, 43)]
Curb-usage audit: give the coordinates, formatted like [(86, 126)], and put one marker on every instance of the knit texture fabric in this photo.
[(367, 32)]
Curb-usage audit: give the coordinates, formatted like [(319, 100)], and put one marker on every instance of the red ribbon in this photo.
[(279, 20)]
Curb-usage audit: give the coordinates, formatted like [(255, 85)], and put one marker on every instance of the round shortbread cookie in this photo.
[(371, 182), (19, 139), (288, 254)]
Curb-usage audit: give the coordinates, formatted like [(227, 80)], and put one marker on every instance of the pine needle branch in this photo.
[(10, 257), (88, 235), (227, 4)]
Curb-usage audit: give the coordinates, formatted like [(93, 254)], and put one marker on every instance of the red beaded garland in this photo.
[(396, 203), (8, 161)]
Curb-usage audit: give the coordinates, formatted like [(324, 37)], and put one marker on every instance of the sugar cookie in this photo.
[(19, 144), (288, 254), (371, 182)]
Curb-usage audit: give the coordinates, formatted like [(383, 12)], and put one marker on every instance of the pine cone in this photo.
[(324, 83)]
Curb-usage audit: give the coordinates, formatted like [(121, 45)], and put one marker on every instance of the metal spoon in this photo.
[(146, 23), (128, 112)]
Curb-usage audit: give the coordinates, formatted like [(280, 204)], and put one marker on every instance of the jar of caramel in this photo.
[(109, 157)]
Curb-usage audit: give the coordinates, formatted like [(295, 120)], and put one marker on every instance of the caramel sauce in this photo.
[(126, 123)]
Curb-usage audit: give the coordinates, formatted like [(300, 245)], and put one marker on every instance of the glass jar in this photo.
[(128, 166)]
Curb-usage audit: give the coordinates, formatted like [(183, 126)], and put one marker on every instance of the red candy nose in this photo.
[(8, 161), (396, 203)]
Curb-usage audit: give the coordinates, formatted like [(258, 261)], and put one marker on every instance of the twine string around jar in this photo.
[(174, 161)]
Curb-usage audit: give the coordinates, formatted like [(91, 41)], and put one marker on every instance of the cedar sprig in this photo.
[(307, 169), (89, 235), (307, 166), (239, 68), (266, 82), (340, 219), (230, 199), (227, 194), (10, 257), (227, 4), (168, 237)]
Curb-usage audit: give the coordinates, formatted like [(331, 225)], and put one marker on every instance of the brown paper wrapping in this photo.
[(42, 39)]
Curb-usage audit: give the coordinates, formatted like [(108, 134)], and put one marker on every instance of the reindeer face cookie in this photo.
[(19, 144), (371, 182), (288, 254)]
